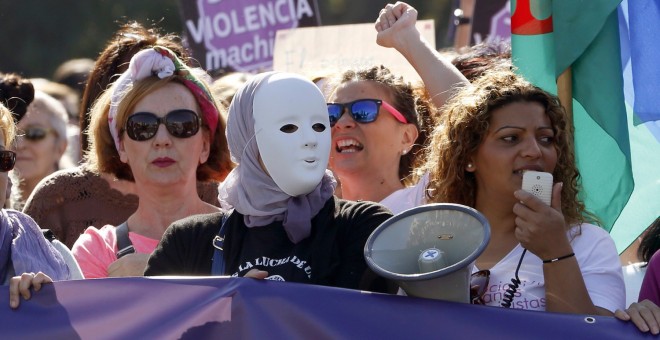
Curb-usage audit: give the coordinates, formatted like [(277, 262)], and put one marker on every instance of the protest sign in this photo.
[(318, 51), (238, 35)]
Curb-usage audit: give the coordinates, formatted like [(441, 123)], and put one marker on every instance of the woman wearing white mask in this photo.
[(285, 225)]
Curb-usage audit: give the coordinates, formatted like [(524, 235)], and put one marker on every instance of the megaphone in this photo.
[(430, 250)]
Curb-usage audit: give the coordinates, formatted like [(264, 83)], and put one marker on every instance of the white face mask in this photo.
[(292, 132)]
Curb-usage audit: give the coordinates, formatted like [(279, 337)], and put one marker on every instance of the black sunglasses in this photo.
[(182, 123), (362, 110), (478, 286), (35, 134), (7, 160)]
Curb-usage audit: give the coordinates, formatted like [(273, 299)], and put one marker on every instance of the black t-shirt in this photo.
[(268, 248), (333, 254)]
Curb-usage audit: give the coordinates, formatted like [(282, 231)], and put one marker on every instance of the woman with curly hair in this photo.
[(489, 134)]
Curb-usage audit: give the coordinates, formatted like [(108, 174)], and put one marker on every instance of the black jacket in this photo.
[(333, 255)]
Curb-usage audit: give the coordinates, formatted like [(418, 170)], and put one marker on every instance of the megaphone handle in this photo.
[(507, 300)]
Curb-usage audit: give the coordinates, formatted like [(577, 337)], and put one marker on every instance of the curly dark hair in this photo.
[(650, 241), (409, 100), (16, 93), (476, 60), (461, 129), (130, 39)]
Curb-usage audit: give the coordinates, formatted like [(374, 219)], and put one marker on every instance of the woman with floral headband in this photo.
[(70, 200), (158, 126)]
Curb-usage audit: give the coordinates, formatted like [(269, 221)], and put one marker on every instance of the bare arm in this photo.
[(396, 29), (565, 290), (541, 229)]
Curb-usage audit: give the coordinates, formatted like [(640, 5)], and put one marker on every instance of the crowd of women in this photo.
[(176, 180)]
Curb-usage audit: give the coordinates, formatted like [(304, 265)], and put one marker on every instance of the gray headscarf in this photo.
[(253, 193)]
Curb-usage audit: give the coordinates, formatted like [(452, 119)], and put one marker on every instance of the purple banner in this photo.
[(239, 35), (200, 308)]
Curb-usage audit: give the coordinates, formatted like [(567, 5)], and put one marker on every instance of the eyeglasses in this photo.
[(35, 134), (182, 123), (478, 286), (363, 110), (7, 160)]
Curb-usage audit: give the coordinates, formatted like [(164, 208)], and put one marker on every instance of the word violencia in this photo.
[(244, 37)]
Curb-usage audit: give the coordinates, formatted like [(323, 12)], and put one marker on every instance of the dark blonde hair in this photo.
[(463, 125), (409, 100), (103, 155), (7, 125)]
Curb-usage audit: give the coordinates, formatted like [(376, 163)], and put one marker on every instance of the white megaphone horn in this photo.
[(430, 250)]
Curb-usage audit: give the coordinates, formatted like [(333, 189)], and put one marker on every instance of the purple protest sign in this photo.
[(491, 21), (239, 35), (500, 24)]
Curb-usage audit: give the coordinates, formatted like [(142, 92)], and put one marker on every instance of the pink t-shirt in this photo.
[(96, 249), (651, 284)]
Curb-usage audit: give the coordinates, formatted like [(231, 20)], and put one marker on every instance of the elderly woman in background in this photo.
[(158, 126), (70, 100), (41, 142)]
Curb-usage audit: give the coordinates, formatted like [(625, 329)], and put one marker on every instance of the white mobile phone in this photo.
[(538, 184)]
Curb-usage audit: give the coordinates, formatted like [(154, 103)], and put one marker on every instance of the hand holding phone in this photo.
[(538, 184)]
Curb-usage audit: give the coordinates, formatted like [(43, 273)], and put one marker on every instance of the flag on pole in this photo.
[(550, 37)]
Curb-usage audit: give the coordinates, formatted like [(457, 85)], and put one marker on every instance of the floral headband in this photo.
[(161, 62)]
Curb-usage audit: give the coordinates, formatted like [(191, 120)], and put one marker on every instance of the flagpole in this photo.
[(565, 92)]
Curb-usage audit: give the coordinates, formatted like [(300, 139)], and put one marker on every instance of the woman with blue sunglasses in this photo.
[(379, 121), (157, 126)]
